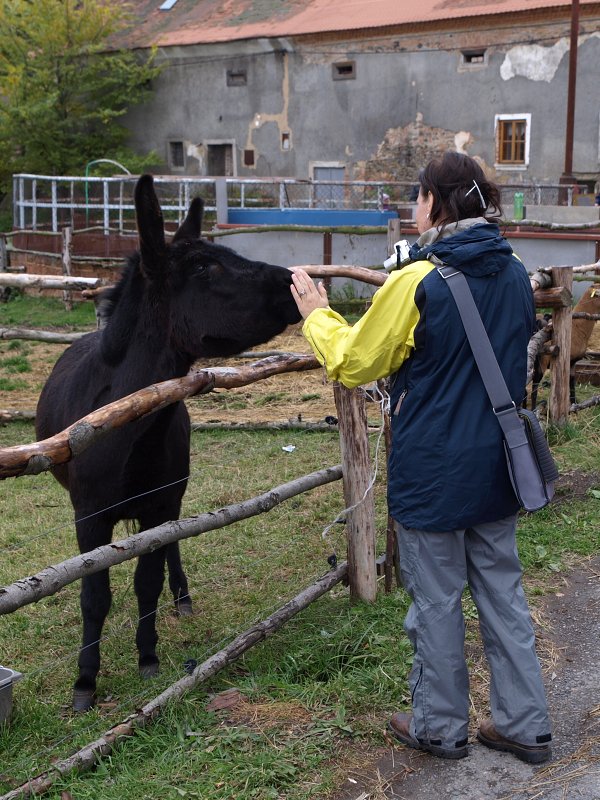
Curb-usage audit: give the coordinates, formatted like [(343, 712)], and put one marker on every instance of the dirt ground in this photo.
[(294, 396)]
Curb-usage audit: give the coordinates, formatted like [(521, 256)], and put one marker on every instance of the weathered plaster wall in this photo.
[(412, 97)]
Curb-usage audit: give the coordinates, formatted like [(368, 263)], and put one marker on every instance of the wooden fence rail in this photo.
[(30, 459), (51, 579)]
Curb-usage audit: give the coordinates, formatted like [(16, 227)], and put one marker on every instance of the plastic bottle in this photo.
[(518, 206)]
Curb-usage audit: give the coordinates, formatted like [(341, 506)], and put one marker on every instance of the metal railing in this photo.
[(51, 202)]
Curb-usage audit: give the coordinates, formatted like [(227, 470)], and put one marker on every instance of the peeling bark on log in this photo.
[(534, 348), (88, 756), (233, 377), (592, 401), (50, 282), (358, 494), (556, 297), (30, 459), (585, 315), (52, 579), (13, 415), (583, 268), (56, 337), (290, 425), (364, 274), (559, 402)]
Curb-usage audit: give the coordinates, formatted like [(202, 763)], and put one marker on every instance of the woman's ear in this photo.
[(429, 203)]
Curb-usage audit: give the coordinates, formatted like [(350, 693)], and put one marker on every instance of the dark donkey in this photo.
[(173, 304)]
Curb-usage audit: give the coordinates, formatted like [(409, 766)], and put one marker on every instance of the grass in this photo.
[(47, 313), (320, 688), (314, 697)]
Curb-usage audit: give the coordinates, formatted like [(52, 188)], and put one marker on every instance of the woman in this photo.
[(448, 487)]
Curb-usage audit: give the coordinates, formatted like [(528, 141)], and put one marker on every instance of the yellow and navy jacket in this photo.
[(447, 468)]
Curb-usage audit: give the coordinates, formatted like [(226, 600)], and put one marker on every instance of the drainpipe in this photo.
[(567, 177)]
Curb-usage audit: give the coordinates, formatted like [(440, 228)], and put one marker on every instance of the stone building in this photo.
[(367, 89)]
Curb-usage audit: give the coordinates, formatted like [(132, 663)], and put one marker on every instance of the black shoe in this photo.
[(399, 727), (532, 754)]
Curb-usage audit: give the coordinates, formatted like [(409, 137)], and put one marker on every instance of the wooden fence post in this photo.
[(67, 243), (360, 522), (393, 235), (4, 291), (559, 401)]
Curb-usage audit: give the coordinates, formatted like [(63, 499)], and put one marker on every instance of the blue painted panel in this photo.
[(308, 216)]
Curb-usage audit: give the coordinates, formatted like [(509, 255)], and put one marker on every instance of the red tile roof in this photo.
[(208, 21)]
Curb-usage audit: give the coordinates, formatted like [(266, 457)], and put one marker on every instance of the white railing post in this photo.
[(106, 200), (34, 204), (54, 208)]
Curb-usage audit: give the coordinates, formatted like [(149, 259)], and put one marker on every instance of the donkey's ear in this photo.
[(191, 227), (151, 230)]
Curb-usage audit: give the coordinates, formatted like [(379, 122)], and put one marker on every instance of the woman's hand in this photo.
[(306, 294)]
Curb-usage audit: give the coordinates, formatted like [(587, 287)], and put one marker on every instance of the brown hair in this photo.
[(455, 181)]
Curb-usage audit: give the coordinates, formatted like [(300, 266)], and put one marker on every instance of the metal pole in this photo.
[(572, 86), (567, 176)]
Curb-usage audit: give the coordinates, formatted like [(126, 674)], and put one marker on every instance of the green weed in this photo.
[(10, 385), (15, 364)]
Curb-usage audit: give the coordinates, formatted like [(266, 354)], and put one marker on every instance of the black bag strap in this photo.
[(491, 375)]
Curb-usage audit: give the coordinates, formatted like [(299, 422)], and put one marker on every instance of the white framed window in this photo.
[(512, 136)]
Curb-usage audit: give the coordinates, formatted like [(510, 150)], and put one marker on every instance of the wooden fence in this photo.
[(558, 297)]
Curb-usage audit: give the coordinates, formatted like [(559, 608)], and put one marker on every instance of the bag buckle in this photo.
[(500, 412)]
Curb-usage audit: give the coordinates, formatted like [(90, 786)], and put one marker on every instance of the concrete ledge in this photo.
[(567, 214)]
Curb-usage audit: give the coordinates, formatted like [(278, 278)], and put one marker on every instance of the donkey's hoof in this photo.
[(83, 700), (183, 608), (149, 671)]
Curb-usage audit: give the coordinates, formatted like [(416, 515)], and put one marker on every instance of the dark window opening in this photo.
[(285, 140), (237, 77), (220, 159), (176, 155), (473, 57), (248, 158), (344, 70)]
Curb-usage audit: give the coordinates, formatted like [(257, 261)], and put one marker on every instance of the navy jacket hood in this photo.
[(478, 251)]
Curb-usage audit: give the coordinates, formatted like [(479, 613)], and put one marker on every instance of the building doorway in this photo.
[(219, 159)]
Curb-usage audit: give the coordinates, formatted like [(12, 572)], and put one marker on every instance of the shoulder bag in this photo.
[(530, 464)]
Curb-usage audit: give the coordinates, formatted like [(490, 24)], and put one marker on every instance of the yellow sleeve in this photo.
[(380, 341)]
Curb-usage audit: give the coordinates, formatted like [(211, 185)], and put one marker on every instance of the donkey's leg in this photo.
[(148, 582), (95, 600), (178, 581)]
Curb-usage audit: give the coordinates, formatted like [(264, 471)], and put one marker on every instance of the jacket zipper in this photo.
[(399, 403)]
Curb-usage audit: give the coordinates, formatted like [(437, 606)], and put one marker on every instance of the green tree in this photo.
[(64, 88)]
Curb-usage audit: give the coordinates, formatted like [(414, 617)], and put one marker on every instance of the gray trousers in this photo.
[(435, 568)]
